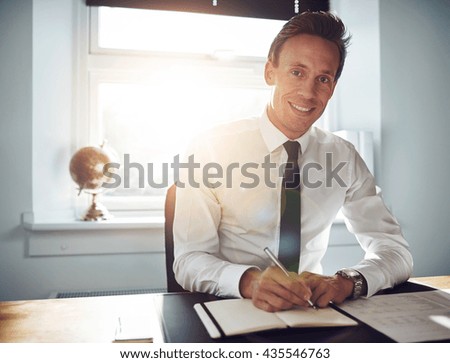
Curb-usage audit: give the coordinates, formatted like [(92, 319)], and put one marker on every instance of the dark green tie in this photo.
[(289, 249)]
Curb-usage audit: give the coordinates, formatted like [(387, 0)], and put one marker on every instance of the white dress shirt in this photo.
[(223, 224)]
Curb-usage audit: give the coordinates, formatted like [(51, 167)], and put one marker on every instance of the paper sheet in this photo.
[(408, 317), (133, 329)]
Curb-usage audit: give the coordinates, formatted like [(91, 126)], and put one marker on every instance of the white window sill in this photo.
[(67, 222)]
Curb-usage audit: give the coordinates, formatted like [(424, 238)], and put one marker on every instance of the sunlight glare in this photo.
[(178, 32)]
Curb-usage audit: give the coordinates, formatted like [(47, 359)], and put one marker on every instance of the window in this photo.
[(156, 78)]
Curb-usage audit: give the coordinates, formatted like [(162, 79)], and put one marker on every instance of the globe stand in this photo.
[(97, 211)]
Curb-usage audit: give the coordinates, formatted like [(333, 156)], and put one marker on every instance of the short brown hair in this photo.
[(323, 24)]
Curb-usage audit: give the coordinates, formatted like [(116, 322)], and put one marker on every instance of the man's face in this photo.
[(303, 82)]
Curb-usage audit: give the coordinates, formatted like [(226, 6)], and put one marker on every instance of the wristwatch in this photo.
[(359, 282)]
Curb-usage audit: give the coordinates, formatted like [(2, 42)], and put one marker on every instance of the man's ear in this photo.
[(269, 73)]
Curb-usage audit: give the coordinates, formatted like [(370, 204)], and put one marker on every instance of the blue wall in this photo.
[(415, 115)]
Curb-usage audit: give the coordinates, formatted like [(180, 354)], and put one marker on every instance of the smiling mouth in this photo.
[(300, 108)]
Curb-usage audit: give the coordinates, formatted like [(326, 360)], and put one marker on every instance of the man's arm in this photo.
[(387, 261), (198, 264)]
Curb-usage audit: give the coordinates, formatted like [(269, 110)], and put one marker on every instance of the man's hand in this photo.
[(327, 288), (271, 290)]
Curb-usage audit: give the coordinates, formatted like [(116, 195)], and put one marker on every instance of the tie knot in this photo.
[(292, 149)]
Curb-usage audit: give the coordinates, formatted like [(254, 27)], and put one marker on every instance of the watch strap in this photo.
[(359, 282)]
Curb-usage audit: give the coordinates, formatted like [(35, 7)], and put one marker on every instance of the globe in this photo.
[(87, 168)]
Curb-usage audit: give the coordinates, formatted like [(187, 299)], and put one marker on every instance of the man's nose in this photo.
[(307, 89)]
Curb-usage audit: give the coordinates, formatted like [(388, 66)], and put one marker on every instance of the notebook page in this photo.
[(308, 317), (240, 316)]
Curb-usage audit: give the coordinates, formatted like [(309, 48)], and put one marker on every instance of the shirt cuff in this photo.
[(230, 278), (373, 278)]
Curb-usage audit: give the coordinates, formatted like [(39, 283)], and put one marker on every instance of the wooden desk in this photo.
[(78, 320), (93, 319), (438, 282)]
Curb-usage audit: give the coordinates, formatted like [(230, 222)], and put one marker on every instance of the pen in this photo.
[(277, 262)]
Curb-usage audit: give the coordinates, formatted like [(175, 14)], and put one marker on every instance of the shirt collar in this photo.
[(274, 138)]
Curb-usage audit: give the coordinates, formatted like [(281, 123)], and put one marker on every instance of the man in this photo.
[(235, 208)]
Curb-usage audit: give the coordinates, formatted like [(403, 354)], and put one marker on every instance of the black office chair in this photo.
[(169, 212)]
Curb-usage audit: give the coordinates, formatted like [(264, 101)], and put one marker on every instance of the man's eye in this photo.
[(297, 73), (324, 79)]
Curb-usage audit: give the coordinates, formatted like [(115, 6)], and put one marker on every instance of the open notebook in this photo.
[(240, 316)]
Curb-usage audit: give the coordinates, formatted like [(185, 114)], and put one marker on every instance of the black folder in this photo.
[(181, 324)]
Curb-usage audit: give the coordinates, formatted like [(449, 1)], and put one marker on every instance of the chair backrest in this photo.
[(169, 213)]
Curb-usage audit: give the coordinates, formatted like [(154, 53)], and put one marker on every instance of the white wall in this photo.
[(415, 113)]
